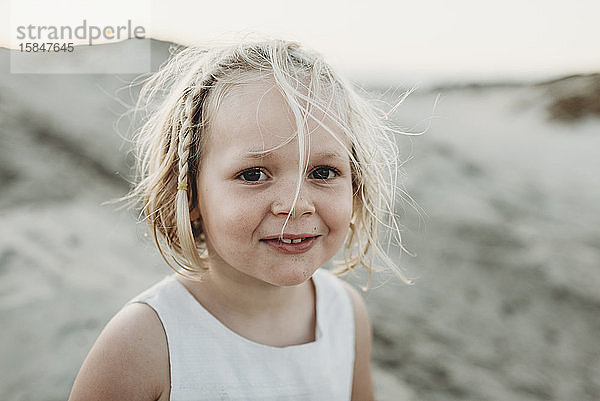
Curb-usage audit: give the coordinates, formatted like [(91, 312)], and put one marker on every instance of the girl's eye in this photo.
[(253, 175), (323, 173)]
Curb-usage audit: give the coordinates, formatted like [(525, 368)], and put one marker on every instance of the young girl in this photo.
[(256, 168)]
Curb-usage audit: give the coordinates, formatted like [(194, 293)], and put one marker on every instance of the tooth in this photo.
[(297, 241), (287, 241)]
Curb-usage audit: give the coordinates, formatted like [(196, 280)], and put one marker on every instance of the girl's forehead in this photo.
[(257, 117)]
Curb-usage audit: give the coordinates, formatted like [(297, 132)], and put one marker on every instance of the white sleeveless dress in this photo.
[(208, 361)]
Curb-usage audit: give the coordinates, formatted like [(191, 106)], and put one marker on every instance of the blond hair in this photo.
[(185, 93)]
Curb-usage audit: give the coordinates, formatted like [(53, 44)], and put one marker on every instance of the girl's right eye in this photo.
[(253, 175)]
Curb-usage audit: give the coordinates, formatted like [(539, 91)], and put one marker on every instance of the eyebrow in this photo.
[(252, 155)]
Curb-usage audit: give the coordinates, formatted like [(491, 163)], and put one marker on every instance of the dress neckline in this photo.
[(219, 325)]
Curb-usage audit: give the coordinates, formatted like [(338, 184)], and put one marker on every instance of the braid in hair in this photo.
[(187, 127)]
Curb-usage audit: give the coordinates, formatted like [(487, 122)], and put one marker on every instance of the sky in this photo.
[(374, 41)]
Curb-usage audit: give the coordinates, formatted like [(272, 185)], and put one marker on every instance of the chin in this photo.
[(290, 278)]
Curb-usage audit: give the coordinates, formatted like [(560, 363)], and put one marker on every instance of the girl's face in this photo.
[(244, 199)]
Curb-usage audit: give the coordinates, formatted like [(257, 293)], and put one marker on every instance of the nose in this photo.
[(282, 205)]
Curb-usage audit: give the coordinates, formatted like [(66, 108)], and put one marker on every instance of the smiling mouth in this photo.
[(291, 245)]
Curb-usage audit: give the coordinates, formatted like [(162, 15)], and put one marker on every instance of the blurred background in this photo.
[(505, 240)]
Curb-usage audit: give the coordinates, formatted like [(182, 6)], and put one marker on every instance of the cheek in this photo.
[(228, 229), (227, 215), (337, 213)]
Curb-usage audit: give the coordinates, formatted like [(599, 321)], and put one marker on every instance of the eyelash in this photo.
[(263, 170)]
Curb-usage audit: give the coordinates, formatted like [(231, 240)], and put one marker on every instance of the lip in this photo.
[(282, 247), (289, 236)]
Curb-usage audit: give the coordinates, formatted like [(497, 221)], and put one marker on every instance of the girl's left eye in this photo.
[(323, 173)]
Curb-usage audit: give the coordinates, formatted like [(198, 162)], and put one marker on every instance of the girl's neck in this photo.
[(261, 312), (236, 294)]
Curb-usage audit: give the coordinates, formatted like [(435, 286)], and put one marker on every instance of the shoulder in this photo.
[(362, 388), (360, 309), (129, 360), (361, 317)]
